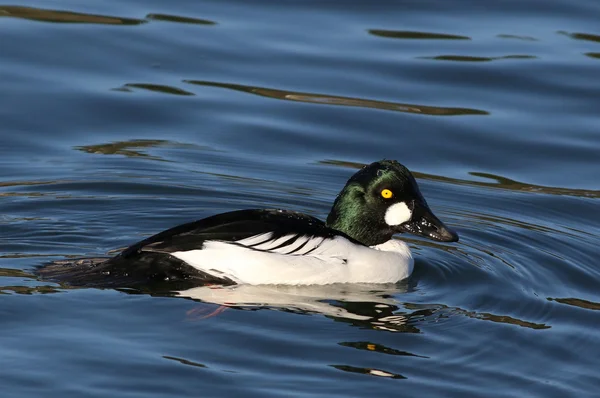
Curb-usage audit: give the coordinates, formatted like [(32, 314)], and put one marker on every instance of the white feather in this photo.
[(299, 242), (397, 214), (308, 243), (256, 239), (271, 244), (334, 260)]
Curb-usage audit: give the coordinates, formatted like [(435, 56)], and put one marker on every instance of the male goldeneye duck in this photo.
[(255, 247)]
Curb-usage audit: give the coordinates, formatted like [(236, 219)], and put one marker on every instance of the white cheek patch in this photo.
[(397, 214)]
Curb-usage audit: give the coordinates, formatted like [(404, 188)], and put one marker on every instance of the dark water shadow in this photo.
[(125, 148), (156, 88), (27, 255), (581, 36), (516, 37), (575, 302), (368, 371), (60, 16), (324, 99), (593, 55), (134, 148), (499, 182), (27, 290), (24, 183), (467, 58), (185, 361), (179, 19), (412, 35), (380, 348), (507, 183), (444, 311), (55, 16), (14, 273)]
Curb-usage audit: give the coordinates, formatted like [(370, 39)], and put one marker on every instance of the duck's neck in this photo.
[(351, 215)]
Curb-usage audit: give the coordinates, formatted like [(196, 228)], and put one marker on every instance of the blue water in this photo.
[(119, 119)]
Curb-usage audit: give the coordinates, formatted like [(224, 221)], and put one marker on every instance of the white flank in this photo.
[(330, 261), (397, 214)]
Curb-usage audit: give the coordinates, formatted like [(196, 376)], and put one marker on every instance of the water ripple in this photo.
[(516, 37), (134, 149), (373, 347), (343, 101), (369, 371), (468, 58), (105, 143), (585, 304), (45, 15), (500, 182), (179, 19), (58, 16), (404, 34), (185, 361), (582, 36), (157, 88)]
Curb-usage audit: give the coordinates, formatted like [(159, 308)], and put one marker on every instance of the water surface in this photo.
[(124, 118)]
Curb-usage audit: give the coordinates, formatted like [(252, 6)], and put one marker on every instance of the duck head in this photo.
[(383, 199)]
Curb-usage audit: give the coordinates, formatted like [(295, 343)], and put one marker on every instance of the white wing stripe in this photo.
[(272, 244), (256, 239), (312, 244), (299, 245), (295, 245)]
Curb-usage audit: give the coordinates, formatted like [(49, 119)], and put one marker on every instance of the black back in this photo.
[(232, 226)]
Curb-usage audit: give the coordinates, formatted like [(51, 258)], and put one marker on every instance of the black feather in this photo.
[(148, 263)]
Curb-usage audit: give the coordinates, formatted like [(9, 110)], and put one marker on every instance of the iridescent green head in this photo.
[(383, 199)]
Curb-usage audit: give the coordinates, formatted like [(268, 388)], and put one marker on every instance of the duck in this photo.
[(355, 244)]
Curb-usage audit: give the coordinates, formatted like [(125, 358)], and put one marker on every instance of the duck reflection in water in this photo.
[(371, 306), (366, 305)]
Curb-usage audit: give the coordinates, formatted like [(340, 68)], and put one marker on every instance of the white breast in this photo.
[(305, 261)]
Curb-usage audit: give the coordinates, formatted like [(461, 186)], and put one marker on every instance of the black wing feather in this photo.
[(233, 226)]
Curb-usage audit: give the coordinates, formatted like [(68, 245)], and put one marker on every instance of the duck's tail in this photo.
[(85, 272), (147, 271)]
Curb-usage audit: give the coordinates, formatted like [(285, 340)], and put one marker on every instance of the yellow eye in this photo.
[(387, 194)]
